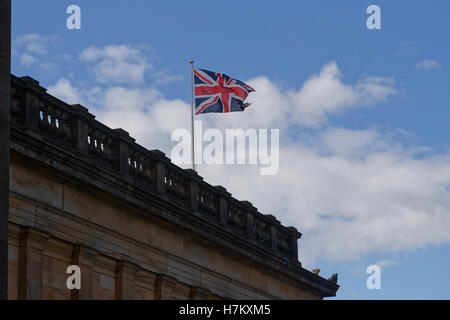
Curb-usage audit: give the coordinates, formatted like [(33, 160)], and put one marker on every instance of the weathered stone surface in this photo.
[(125, 280), (13, 261), (32, 243), (33, 185), (144, 288), (56, 258), (165, 287), (84, 257)]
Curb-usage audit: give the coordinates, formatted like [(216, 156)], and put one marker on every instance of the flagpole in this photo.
[(192, 114)]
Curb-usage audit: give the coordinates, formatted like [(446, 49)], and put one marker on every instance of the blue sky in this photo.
[(398, 124)]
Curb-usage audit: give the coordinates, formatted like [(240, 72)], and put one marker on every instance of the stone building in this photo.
[(138, 226)]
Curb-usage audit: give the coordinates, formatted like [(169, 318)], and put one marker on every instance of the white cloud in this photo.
[(49, 67), (381, 201), (165, 77), (347, 143), (319, 97), (27, 60), (116, 63), (34, 43), (428, 65), (325, 93), (32, 50), (350, 192), (64, 90)]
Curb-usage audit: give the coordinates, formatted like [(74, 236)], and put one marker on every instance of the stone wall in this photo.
[(122, 255)]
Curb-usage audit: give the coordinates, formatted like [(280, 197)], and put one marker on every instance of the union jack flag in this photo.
[(217, 92)]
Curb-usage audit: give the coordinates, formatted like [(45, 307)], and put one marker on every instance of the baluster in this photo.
[(250, 213), (193, 182), (147, 168), (160, 170), (274, 236), (45, 114), (53, 127), (224, 195)]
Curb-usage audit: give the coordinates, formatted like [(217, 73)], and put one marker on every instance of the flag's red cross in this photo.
[(219, 90)]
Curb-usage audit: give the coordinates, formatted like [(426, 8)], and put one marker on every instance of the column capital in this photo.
[(128, 270), (125, 276), (85, 258), (31, 246), (33, 238), (82, 255)]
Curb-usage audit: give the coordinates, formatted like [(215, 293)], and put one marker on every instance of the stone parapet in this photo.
[(69, 139)]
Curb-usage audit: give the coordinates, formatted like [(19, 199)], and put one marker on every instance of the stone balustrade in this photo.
[(74, 129)]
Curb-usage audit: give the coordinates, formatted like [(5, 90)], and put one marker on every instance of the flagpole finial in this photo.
[(191, 61)]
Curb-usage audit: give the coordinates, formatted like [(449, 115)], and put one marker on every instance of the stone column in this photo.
[(84, 258), (164, 287), (125, 276), (31, 246), (5, 105)]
